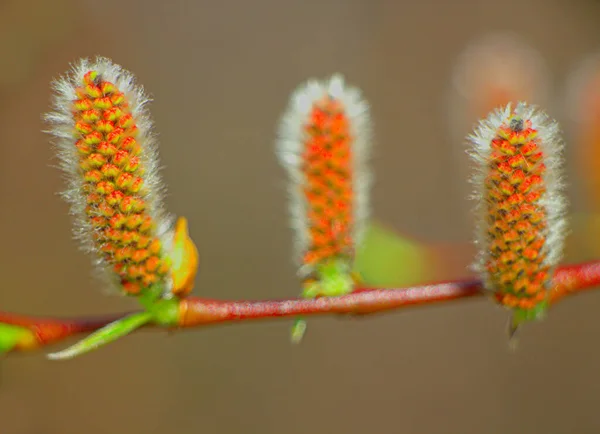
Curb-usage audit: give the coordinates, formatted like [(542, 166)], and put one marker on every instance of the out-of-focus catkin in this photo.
[(520, 206), (105, 143), (323, 143)]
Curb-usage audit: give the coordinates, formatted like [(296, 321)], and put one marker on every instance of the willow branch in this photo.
[(195, 312)]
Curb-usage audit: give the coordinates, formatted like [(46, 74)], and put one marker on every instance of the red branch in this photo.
[(200, 311)]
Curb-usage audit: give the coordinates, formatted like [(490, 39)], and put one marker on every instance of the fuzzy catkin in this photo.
[(103, 136), (323, 144), (520, 204)]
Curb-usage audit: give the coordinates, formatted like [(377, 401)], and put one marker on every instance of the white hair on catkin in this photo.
[(62, 126), (290, 145), (552, 200)]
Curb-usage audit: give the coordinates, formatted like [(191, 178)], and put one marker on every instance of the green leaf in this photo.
[(11, 335), (388, 259)]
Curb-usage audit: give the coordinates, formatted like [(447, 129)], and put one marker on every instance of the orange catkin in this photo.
[(493, 70), (106, 146), (520, 206), (323, 144), (328, 170), (583, 107)]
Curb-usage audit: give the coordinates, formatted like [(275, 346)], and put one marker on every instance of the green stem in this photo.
[(298, 330), (105, 335), (160, 311)]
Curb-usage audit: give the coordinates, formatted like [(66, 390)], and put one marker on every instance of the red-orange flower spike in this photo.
[(521, 207), (323, 144), (107, 148), (329, 167)]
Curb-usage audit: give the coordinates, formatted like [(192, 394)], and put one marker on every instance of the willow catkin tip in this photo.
[(104, 139), (520, 206)]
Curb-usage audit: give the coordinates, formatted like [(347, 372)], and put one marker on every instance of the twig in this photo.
[(194, 311)]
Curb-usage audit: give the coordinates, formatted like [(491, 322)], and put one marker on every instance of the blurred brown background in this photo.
[(220, 73)]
